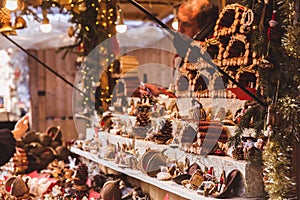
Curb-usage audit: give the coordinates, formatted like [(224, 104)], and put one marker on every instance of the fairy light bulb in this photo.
[(175, 24), (175, 20), (120, 27), (45, 26), (11, 4)]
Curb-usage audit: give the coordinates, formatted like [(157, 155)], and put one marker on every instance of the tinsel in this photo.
[(290, 110), (277, 155), (277, 179), (291, 41), (291, 44)]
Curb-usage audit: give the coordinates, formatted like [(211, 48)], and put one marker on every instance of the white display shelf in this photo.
[(252, 174), (165, 185), (168, 186)]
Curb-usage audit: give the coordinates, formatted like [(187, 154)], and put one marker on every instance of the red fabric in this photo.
[(241, 95), (170, 94), (33, 174), (94, 194), (89, 182), (166, 197)]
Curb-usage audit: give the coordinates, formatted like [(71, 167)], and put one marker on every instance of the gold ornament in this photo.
[(71, 31), (291, 41), (5, 24), (20, 23)]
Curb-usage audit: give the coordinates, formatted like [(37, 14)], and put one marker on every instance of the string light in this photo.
[(45, 26), (120, 27), (106, 19), (11, 4), (175, 23)]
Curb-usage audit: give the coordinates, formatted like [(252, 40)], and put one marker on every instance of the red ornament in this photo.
[(81, 47), (272, 30)]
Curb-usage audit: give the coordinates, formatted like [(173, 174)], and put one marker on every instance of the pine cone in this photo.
[(167, 128), (165, 133), (143, 118)]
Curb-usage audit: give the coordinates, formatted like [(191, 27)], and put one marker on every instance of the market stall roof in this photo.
[(32, 38)]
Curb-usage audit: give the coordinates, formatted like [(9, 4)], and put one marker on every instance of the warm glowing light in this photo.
[(120, 27), (175, 24), (175, 20), (11, 4), (45, 26)]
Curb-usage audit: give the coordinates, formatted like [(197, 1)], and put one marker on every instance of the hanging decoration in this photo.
[(94, 22), (5, 23)]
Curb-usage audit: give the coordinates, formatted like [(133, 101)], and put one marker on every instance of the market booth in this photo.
[(223, 125)]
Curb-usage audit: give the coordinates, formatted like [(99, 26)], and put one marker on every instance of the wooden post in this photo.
[(37, 91)]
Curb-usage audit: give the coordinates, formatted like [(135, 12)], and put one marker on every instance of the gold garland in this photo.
[(277, 173), (291, 41)]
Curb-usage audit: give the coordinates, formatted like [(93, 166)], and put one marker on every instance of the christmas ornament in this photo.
[(20, 23), (272, 32), (71, 31), (5, 24)]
